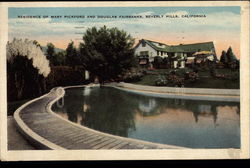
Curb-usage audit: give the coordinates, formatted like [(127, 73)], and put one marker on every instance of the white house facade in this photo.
[(178, 55)]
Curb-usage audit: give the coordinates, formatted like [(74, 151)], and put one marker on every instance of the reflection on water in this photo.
[(189, 123)]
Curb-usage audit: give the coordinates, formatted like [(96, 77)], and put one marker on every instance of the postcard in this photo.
[(124, 80)]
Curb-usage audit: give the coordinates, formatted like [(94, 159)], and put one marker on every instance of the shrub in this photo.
[(191, 76), (132, 76), (175, 79), (161, 81), (235, 76), (65, 75)]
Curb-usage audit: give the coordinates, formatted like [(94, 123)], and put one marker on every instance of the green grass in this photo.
[(147, 80), (205, 80)]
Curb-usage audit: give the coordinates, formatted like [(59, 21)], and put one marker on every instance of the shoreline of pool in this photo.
[(227, 95), (231, 95)]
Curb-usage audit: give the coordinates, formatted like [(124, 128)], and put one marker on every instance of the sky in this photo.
[(220, 24)]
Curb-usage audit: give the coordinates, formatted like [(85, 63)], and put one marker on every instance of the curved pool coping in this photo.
[(43, 143), (29, 134), (229, 95)]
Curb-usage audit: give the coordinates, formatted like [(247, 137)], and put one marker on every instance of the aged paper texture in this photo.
[(187, 98)]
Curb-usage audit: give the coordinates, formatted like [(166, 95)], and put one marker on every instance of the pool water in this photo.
[(187, 123)]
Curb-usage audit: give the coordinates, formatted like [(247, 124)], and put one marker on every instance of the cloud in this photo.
[(50, 30)]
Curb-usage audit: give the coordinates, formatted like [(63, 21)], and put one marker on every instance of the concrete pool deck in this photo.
[(46, 130), (231, 95)]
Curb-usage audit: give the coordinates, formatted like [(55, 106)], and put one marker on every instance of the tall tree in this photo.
[(71, 55), (51, 53), (60, 58), (27, 67), (230, 55), (107, 52), (223, 57)]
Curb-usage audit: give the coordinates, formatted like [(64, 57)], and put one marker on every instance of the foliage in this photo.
[(230, 55), (132, 76), (211, 65), (72, 58), (161, 81), (50, 53), (175, 79), (178, 78), (64, 76), (60, 58), (30, 51), (37, 44), (229, 59), (26, 68), (191, 77), (107, 52), (235, 76), (223, 57), (225, 79)]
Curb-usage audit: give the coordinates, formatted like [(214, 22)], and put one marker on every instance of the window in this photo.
[(143, 44), (142, 53), (161, 53)]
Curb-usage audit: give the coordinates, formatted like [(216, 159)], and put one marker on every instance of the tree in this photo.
[(37, 44), (27, 67), (223, 57), (107, 52), (233, 62), (60, 58), (51, 53), (71, 55), (230, 55)]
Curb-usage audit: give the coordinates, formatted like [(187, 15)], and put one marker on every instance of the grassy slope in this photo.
[(204, 81)]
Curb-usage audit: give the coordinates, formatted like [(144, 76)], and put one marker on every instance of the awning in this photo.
[(203, 53), (190, 58)]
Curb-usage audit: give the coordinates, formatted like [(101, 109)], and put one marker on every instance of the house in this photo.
[(178, 56)]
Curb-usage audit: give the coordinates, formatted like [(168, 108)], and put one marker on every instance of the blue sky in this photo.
[(13, 12), (221, 25)]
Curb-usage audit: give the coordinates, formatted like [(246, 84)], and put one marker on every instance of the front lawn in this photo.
[(205, 79)]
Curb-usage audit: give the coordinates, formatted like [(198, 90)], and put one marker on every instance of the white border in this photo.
[(131, 154)]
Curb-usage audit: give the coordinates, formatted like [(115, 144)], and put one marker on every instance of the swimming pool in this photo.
[(187, 123)]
